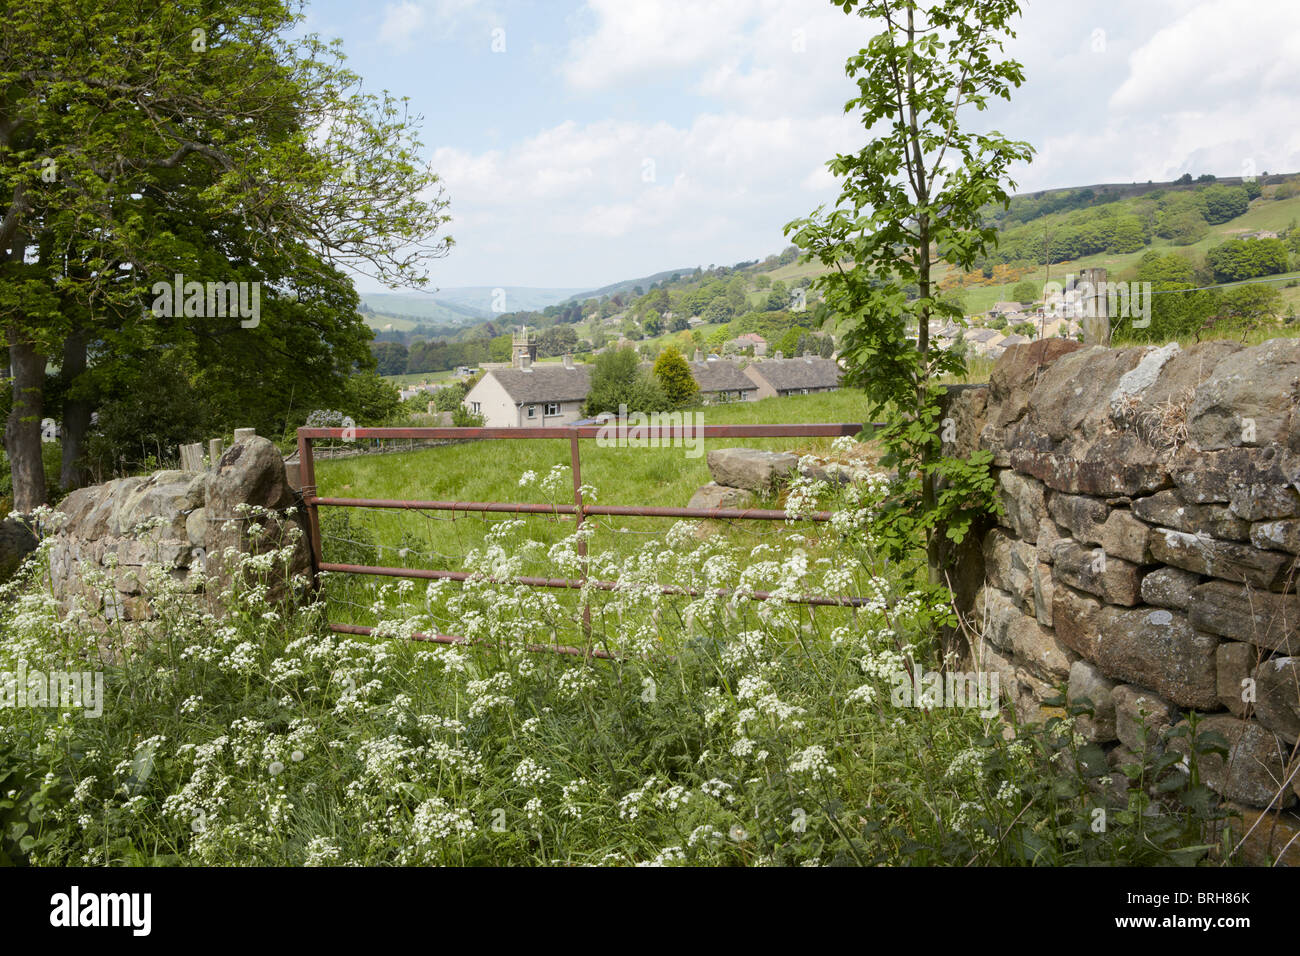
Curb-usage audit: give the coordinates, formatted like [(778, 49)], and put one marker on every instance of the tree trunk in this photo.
[(23, 429), (76, 413)]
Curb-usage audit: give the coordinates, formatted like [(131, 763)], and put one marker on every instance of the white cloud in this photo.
[(405, 22), (401, 22), (755, 88)]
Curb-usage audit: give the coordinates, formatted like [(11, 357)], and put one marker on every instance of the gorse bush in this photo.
[(720, 729)]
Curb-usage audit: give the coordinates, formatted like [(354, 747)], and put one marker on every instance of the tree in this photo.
[(914, 197), (788, 345), (557, 340), (500, 348), (1025, 292), (1244, 307), (390, 357), (674, 376), (1183, 228), (462, 417), (1179, 310), (1239, 259), (141, 141), (1224, 202), (617, 380)]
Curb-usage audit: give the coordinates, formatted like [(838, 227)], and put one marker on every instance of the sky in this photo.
[(582, 142)]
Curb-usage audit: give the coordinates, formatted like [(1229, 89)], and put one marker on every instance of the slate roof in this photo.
[(786, 374), (551, 382), (721, 376)]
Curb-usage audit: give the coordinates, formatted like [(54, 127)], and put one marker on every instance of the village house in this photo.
[(722, 381), (749, 340), (794, 376), (531, 395)]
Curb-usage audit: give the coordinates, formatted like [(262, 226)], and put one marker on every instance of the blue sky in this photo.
[(615, 138)]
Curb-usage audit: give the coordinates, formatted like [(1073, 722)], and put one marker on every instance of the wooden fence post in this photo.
[(192, 457)]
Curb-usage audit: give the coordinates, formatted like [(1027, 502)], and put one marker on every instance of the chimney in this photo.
[(807, 357), (779, 355), (526, 362), (568, 360), (699, 356)]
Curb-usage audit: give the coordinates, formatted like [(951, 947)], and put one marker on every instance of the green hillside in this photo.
[(1042, 236)]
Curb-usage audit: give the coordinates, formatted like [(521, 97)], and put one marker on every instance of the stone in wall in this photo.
[(1234, 664), (1265, 838), (251, 475), (1159, 649), (1245, 614), (1115, 530), (1023, 504), (1009, 564), (1088, 683), (1112, 579), (1168, 509), (1278, 535), (1076, 620), (1169, 588), (1228, 560), (1254, 771), (1142, 718), (1256, 385)]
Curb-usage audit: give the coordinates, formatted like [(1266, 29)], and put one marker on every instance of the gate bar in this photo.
[(640, 511)]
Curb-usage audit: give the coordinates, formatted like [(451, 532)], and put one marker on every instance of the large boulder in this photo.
[(750, 468)]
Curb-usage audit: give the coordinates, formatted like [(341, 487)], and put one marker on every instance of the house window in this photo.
[(532, 411), (724, 396), (475, 407), (552, 408)]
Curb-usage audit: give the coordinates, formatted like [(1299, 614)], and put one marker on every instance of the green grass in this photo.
[(422, 378)]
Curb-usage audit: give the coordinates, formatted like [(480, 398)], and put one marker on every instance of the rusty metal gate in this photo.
[(579, 510)]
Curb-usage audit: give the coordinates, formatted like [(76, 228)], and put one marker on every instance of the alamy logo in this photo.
[(33, 688), (931, 689), (641, 430), (213, 300), (133, 910), (1123, 300)]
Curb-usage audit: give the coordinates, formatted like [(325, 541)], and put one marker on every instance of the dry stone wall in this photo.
[(1147, 554), (112, 535)]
